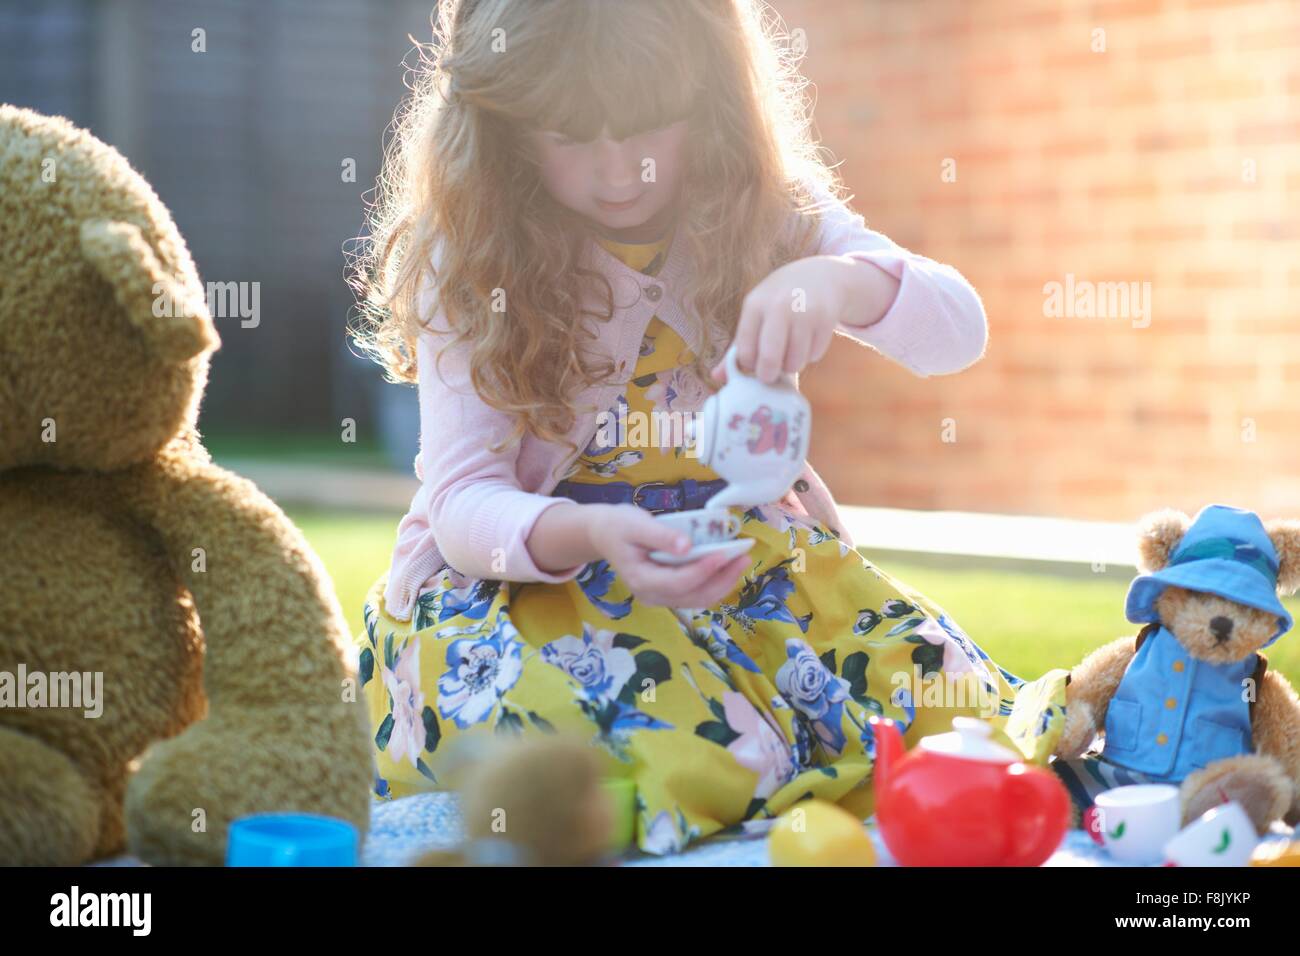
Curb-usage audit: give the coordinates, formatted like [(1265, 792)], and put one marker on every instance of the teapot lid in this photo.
[(969, 739)]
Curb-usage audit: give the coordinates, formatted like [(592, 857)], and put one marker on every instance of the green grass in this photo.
[(1028, 621), (1031, 621), (315, 448), (356, 549)]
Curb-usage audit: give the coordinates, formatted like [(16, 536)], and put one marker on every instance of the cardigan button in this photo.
[(1178, 666), (1162, 739), (801, 486), (653, 292)]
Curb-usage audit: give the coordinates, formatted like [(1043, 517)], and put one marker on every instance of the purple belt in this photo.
[(654, 496)]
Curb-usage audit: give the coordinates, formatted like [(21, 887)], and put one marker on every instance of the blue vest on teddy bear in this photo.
[(1209, 719), (1173, 714)]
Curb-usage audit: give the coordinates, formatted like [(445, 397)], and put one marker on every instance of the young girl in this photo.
[(587, 202)]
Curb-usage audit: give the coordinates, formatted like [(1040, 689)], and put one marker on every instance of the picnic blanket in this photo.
[(401, 830)]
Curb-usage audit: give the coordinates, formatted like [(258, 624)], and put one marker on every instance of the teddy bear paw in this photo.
[(1078, 732), (189, 788), (1255, 781)]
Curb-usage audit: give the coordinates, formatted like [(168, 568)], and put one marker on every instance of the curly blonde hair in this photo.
[(460, 175)]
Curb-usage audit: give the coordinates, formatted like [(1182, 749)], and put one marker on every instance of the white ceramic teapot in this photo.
[(753, 435)]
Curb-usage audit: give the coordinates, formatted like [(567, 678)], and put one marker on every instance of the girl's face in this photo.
[(615, 185)]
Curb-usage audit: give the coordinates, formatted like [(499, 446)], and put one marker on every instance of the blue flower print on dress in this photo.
[(480, 670), (815, 691), (463, 596), (596, 579), (763, 598), (1015, 682), (867, 738), (1045, 720), (609, 676), (868, 620), (804, 750), (902, 699), (599, 665), (712, 634)]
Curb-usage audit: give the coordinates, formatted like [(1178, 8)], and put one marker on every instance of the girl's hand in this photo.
[(789, 319), (624, 535)]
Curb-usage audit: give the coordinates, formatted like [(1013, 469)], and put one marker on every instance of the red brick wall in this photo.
[(1129, 165)]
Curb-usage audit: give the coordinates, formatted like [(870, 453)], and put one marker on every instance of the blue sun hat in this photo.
[(1227, 552)]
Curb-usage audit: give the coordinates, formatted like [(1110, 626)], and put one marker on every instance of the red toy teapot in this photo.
[(960, 799)]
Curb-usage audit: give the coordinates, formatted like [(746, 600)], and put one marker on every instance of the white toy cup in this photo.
[(1134, 823), (1223, 836)]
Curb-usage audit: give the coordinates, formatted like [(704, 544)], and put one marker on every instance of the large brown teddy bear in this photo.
[(137, 579), (1190, 701)]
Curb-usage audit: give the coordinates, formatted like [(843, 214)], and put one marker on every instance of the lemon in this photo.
[(1277, 854), (818, 833)]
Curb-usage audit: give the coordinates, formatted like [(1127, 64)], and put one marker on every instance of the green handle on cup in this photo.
[(621, 794)]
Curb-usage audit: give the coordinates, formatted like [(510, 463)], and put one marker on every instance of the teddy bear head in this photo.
[(1214, 581), (105, 334)]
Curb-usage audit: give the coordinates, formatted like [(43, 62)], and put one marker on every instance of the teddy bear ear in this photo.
[(119, 253), (1158, 535), (1285, 536)]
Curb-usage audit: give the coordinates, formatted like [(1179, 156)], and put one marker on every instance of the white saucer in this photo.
[(733, 549)]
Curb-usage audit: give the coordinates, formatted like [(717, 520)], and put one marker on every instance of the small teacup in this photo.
[(703, 525), (291, 839), (1134, 823), (1223, 836)]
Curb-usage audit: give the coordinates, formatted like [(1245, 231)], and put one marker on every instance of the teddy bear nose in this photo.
[(1221, 628)]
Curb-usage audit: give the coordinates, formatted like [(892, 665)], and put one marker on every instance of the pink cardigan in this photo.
[(474, 510)]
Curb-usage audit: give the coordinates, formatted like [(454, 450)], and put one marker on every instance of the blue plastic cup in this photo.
[(291, 839)]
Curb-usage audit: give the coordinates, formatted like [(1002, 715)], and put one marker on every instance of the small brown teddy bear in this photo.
[(172, 655), (1190, 701), (534, 801)]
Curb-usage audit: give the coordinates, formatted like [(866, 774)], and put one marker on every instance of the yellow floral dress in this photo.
[(725, 716)]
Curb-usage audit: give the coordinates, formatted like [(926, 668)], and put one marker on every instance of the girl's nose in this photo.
[(620, 161)]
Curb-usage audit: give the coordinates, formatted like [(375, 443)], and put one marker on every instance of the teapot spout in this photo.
[(889, 749)]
